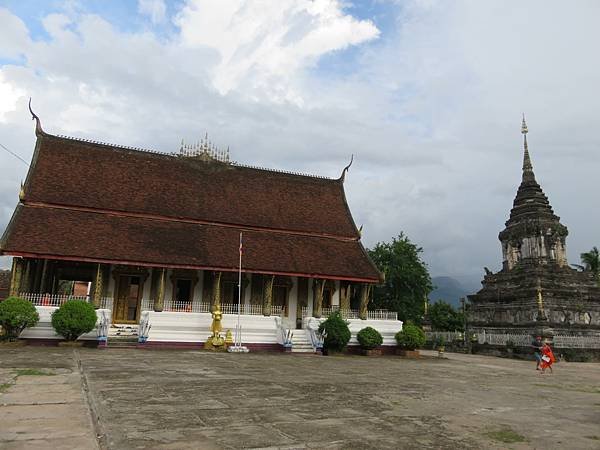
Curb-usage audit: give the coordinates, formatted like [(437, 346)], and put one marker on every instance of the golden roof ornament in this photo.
[(204, 150), (22, 192)]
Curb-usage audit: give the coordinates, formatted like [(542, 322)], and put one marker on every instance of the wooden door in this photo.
[(128, 299)]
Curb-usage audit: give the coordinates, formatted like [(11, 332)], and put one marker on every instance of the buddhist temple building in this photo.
[(152, 233), (536, 292)]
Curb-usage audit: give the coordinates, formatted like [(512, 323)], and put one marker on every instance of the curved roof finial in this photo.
[(343, 175), (38, 123)]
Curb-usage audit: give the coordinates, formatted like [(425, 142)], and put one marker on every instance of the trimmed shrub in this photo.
[(73, 319), (369, 338), (337, 333), (16, 314), (411, 337)]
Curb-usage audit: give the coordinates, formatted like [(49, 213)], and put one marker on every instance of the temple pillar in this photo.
[(159, 302), (98, 286), (345, 294), (26, 280), (43, 277), (16, 277), (268, 294), (318, 287), (216, 291), (365, 291)]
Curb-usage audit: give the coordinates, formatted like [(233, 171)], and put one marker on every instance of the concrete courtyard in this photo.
[(58, 398)]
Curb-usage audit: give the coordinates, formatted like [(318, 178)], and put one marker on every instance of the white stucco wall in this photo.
[(44, 330)]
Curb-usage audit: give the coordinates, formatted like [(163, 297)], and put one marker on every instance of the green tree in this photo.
[(591, 261), (407, 280), (444, 317)]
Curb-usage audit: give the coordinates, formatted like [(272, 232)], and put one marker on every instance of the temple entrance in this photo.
[(280, 297), (127, 302)]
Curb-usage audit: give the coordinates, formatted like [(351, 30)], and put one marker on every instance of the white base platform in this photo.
[(44, 330)]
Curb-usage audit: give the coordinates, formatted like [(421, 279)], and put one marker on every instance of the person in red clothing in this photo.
[(547, 358)]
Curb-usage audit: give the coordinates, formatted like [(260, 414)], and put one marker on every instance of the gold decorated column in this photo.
[(268, 295), (26, 279), (318, 287), (16, 276), (98, 286), (345, 295), (365, 292), (216, 297), (159, 302)]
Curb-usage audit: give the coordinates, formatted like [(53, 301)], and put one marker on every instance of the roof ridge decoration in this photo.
[(289, 172), (205, 150), (109, 144), (38, 123)]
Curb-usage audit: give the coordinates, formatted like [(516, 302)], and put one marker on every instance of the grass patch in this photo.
[(4, 387), (506, 436), (593, 438), (36, 372)]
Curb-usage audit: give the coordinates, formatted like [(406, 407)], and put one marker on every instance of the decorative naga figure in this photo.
[(216, 341)]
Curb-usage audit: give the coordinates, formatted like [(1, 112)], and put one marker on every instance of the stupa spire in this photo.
[(527, 166)]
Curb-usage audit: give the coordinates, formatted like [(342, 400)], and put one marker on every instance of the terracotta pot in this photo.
[(408, 353)]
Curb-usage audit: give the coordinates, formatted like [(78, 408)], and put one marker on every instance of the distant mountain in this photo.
[(449, 289)]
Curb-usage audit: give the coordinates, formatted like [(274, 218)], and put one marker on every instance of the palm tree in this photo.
[(591, 261)]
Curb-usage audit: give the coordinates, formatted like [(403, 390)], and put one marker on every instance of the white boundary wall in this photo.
[(195, 327), (387, 328), (44, 330)]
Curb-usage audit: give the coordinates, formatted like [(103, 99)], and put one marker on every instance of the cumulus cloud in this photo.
[(154, 9), (262, 44)]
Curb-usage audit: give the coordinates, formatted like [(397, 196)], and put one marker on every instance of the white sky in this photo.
[(427, 95)]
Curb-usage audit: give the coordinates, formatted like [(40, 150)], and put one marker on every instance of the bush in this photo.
[(369, 338), (411, 337), (337, 333), (73, 319), (16, 314)]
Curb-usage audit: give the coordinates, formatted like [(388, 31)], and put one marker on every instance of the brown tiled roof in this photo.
[(71, 172), (90, 201), (83, 235)]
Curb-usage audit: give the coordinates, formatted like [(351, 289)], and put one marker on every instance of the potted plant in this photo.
[(16, 314), (370, 340), (409, 339), (73, 319), (441, 346), (336, 333)]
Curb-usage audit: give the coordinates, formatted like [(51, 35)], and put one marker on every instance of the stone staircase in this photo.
[(301, 342), (122, 336)]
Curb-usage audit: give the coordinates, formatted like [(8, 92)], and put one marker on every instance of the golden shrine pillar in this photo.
[(159, 302), (98, 286), (16, 277), (345, 295), (268, 295), (318, 287), (365, 294)]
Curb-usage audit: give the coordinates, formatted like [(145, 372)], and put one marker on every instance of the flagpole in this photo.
[(238, 336)]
